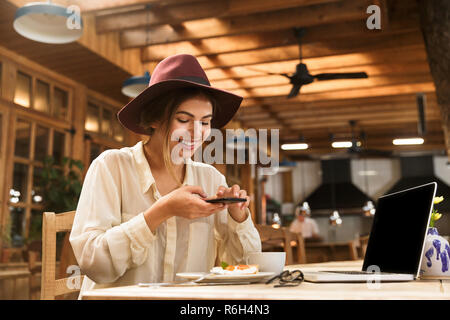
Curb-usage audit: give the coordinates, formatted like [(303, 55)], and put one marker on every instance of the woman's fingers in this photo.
[(197, 190), (221, 191), (235, 190), (243, 194), (232, 192)]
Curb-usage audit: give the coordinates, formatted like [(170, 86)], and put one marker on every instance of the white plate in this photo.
[(226, 277)]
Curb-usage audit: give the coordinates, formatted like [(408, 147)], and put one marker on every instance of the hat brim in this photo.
[(129, 115)]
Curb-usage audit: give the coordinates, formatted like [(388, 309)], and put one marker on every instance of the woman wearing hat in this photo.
[(141, 217)]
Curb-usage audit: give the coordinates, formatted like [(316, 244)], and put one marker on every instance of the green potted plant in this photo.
[(6, 242), (60, 184)]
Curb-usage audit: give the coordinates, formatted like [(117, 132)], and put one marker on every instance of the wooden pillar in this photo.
[(435, 24), (287, 186), (247, 183)]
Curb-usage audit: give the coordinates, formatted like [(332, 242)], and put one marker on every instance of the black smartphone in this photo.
[(226, 200)]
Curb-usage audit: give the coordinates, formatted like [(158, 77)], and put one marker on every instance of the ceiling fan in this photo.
[(301, 76)]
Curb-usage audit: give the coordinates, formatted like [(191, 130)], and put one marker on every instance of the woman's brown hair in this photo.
[(162, 110)]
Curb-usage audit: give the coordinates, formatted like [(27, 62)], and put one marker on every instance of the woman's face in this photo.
[(191, 126)]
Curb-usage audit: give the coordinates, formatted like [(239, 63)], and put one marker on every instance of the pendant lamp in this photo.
[(48, 23), (133, 86)]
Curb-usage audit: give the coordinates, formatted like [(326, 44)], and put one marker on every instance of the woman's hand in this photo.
[(236, 210), (183, 202)]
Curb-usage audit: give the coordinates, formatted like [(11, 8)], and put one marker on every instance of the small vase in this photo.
[(436, 258)]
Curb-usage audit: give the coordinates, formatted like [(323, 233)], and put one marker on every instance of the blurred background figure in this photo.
[(304, 224)]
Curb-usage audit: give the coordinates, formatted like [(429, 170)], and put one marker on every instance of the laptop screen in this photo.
[(399, 229)]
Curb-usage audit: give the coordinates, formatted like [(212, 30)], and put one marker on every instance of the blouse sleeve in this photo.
[(104, 246), (234, 240)]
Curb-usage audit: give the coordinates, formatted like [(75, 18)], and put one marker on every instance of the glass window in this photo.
[(118, 131), (60, 103), (95, 151), (41, 143), (58, 146), (92, 118), (42, 97), (17, 216), (22, 93), (106, 122), (35, 225), (23, 135), (18, 193), (36, 192)]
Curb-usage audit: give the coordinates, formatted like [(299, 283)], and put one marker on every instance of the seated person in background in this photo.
[(304, 224)]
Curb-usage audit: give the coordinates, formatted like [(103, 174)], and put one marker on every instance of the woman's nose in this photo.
[(197, 130)]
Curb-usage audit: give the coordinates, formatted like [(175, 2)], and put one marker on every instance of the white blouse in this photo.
[(113, 244)]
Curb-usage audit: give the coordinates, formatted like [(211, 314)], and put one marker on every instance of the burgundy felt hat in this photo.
[(178, 71)]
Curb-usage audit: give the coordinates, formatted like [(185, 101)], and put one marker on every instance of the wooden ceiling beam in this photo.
[(380, 70), (346, 10), (332, 111), (413, 54), (330, 105), (331, 86), (330, 126), (177, 13), (361, 118), (312, 50), (408, 128), (393, 90), (408, 99), (269, 39)]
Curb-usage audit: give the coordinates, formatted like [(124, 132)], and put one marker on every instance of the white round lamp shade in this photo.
[(48, 23)]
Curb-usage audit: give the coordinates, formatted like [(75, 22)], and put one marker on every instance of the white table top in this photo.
[(418, 289)]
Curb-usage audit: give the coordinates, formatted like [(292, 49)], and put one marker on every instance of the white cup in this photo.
[(268, 261)]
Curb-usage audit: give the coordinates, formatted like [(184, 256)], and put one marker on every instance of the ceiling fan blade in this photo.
[(269, 73), (294, 91), (334, 76)]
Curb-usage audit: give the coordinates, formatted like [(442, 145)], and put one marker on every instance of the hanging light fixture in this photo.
[(305, 208), (49, 23), (369, 209), (335, 218), (276, 221), (133, 86)]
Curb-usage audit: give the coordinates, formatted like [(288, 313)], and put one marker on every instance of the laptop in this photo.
[(396, 241)]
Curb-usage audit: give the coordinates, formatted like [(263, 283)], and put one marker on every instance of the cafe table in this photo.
[(418, 289)]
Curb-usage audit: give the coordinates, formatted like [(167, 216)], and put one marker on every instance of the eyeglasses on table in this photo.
[(288, 278)]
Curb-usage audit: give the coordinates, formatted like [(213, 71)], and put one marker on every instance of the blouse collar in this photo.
[(145, 174)]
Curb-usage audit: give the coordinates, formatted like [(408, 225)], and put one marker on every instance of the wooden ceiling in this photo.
[(239, 42)]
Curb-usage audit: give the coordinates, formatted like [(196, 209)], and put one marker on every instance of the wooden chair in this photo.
[(276, 239), (50, 286), (33, 254), (299, 243)]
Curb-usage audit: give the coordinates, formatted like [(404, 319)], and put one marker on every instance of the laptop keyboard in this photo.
[(350, 272)]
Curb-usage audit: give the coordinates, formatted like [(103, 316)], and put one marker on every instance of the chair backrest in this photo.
[(50, 286), (300, 247), (269, 234)]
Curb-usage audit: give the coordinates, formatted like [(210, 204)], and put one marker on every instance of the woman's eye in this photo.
[(183, 121), (205, 123)]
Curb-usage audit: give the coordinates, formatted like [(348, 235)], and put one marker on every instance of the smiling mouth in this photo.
[(190, 144)]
